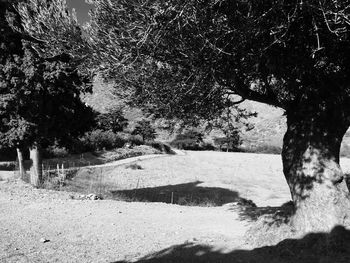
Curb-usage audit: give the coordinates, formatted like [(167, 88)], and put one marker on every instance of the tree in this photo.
[(291, 54), (189, 139), (113, 120), (145, 130), (232, 122), (40, 94)]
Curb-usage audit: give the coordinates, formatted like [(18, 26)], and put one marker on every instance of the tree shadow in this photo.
[(183, 194), (312, 248)]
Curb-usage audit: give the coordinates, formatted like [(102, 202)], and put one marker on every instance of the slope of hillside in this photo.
[(269, 124), (103, 98)]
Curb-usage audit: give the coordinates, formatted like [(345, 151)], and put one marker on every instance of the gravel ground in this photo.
[(102, 230)]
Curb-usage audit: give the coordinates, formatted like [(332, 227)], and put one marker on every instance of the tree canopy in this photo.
[(188, 59), (276, 52), (41, 77), (40, 85)]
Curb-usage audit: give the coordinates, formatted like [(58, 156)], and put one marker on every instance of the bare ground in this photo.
[(113, 231)]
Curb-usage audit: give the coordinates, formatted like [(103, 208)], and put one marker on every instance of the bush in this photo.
[(227, 143), (98, 140), (145, 130), (113, 120), (8, 166), (192, 145), (162, 147), (122, 153), (189, 140), (191, 134), (135, 140), (263, 148), (55, 151)]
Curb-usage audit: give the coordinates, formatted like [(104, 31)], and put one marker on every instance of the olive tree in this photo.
[(192, 56)]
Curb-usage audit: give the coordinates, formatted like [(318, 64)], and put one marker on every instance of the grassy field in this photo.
[(197, 178)]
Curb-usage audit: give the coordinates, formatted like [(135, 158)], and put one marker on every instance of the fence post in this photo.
[(63, 173)]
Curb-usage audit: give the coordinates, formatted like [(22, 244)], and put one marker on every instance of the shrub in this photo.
[(113, 120), (227, 143), (55, 151), (122, 153), (189, 140), (162, 147), (263, 148), (8, 166), (192, 145), (145, 130), (191, 134), (98, 140), (135, 140)]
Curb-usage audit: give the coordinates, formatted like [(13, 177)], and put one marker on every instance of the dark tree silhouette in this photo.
[(145, 129), (113, 120), (40, 101), (189, 57)]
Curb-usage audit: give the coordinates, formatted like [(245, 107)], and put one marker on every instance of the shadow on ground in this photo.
[(183, 194), (333, 247)]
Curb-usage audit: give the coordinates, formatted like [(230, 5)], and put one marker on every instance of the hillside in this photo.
[(269, 124)]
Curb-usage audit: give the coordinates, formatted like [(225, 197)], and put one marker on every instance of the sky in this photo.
[(81, 8)]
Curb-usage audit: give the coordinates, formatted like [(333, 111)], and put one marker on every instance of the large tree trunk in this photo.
[(310, 156), (35, 169), (20, 163)]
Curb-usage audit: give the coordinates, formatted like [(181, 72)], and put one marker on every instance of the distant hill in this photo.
[(269, 125), (104, 98)]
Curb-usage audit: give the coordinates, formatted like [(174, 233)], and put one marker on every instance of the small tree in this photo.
[(113, 120), (189, 139), (232, 122), (145, 130)]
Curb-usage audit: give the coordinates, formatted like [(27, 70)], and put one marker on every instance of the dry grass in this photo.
[(198, 178)]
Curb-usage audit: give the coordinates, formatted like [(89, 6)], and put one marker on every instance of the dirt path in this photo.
[(102, 231)]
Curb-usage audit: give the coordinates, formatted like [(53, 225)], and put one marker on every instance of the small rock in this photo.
[(44, 240)]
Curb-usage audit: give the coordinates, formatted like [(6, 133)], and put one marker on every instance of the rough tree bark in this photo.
[(310, 156), (20, 163), (35, 169)]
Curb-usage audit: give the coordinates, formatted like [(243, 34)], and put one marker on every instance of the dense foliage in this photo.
[(113, 120), (145, 129), (40, 85), (199, 52)]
